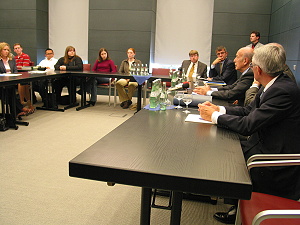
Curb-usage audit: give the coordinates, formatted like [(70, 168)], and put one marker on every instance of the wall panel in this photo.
[(234, 21), (117, 27)]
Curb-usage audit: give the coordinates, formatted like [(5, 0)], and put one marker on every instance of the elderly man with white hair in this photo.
[(272, 122)]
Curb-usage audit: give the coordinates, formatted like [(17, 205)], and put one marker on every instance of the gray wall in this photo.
[(285, 29), (25, 22), (117, 26), (235, 19)]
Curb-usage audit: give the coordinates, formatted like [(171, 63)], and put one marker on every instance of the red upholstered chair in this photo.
[(156, 72), (162, 72), (87, 67), (267, 209), (110, 85)]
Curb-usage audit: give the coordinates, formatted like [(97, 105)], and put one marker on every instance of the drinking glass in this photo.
[(179, 96), (187, 99)]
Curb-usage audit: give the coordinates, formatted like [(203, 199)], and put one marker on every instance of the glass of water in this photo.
[(187, 99), (179, 95)]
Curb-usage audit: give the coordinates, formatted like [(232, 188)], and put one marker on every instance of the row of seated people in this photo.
[(222, 68)]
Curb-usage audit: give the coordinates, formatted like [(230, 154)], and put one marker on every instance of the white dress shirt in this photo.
[(48, 63)]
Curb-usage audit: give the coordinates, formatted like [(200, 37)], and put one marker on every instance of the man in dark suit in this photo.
[(194, 68), (222, 68), (252, 91), (235, 91), (272, 122)]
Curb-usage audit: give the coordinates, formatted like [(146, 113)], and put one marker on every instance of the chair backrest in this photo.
[(162, 72), (268, 207), (86, 67)]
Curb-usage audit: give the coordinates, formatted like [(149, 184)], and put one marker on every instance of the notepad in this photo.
[(196, 118)]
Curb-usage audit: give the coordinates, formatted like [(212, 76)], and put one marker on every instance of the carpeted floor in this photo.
[(35, 187)]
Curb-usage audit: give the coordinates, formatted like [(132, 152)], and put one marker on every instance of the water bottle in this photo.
[(138, 69), (163, 97)]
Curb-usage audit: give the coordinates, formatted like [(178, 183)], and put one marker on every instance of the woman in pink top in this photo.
[(103, 64)]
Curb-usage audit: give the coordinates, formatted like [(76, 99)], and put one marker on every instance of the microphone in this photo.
[(185, 85)]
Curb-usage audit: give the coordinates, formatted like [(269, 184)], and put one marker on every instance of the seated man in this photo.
[(272, 122), (252, 91), (194, 68), (222, 68), (49, 62), (235, 91)]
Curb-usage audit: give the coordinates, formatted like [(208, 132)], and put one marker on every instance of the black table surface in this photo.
[(158, 149), (28, 77)]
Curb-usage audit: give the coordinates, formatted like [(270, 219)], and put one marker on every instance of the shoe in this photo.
[(91, 102), (127, 104), (79, 92), (122, 103), (226, 217)]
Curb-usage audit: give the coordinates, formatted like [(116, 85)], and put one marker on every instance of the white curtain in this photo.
[(68, 25), (180, 27)]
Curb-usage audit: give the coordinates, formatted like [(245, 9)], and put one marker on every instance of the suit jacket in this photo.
[(251, 92), (256, 46), (228, 75), (272, 121), (201, 68), (12, 65), (236, 91)]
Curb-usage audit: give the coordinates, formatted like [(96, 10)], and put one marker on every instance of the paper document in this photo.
[(37, 71), (10, 74), (196, 118)]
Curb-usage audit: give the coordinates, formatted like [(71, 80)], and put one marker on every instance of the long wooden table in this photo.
[(158, 149)]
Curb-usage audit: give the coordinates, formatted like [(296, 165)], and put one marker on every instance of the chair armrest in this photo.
[(268, 214), (273, 163), (272, 156)]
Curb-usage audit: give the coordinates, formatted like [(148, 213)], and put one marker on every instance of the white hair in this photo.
[(270, 58)]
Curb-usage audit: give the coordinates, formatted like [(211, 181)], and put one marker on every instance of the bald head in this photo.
[(243, 58)]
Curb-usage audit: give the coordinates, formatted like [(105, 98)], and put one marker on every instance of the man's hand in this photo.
[(206, 112), (207, 103), (256, 82), (202, 90), (217, 60)]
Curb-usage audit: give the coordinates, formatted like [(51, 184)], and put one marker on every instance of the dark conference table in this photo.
[(30, 77), (159, 150)]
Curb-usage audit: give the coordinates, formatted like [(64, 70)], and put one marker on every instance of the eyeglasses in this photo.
[(251, 65)]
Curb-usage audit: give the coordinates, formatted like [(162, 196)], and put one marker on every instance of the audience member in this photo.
[(49, 60), (23, 59), (125, 98), (8, 65), (272, 122), (222, 68), (252, 91), (71, 62), (48, 63), (254, 39), (105, 65), (235, 91), (194, 68)]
